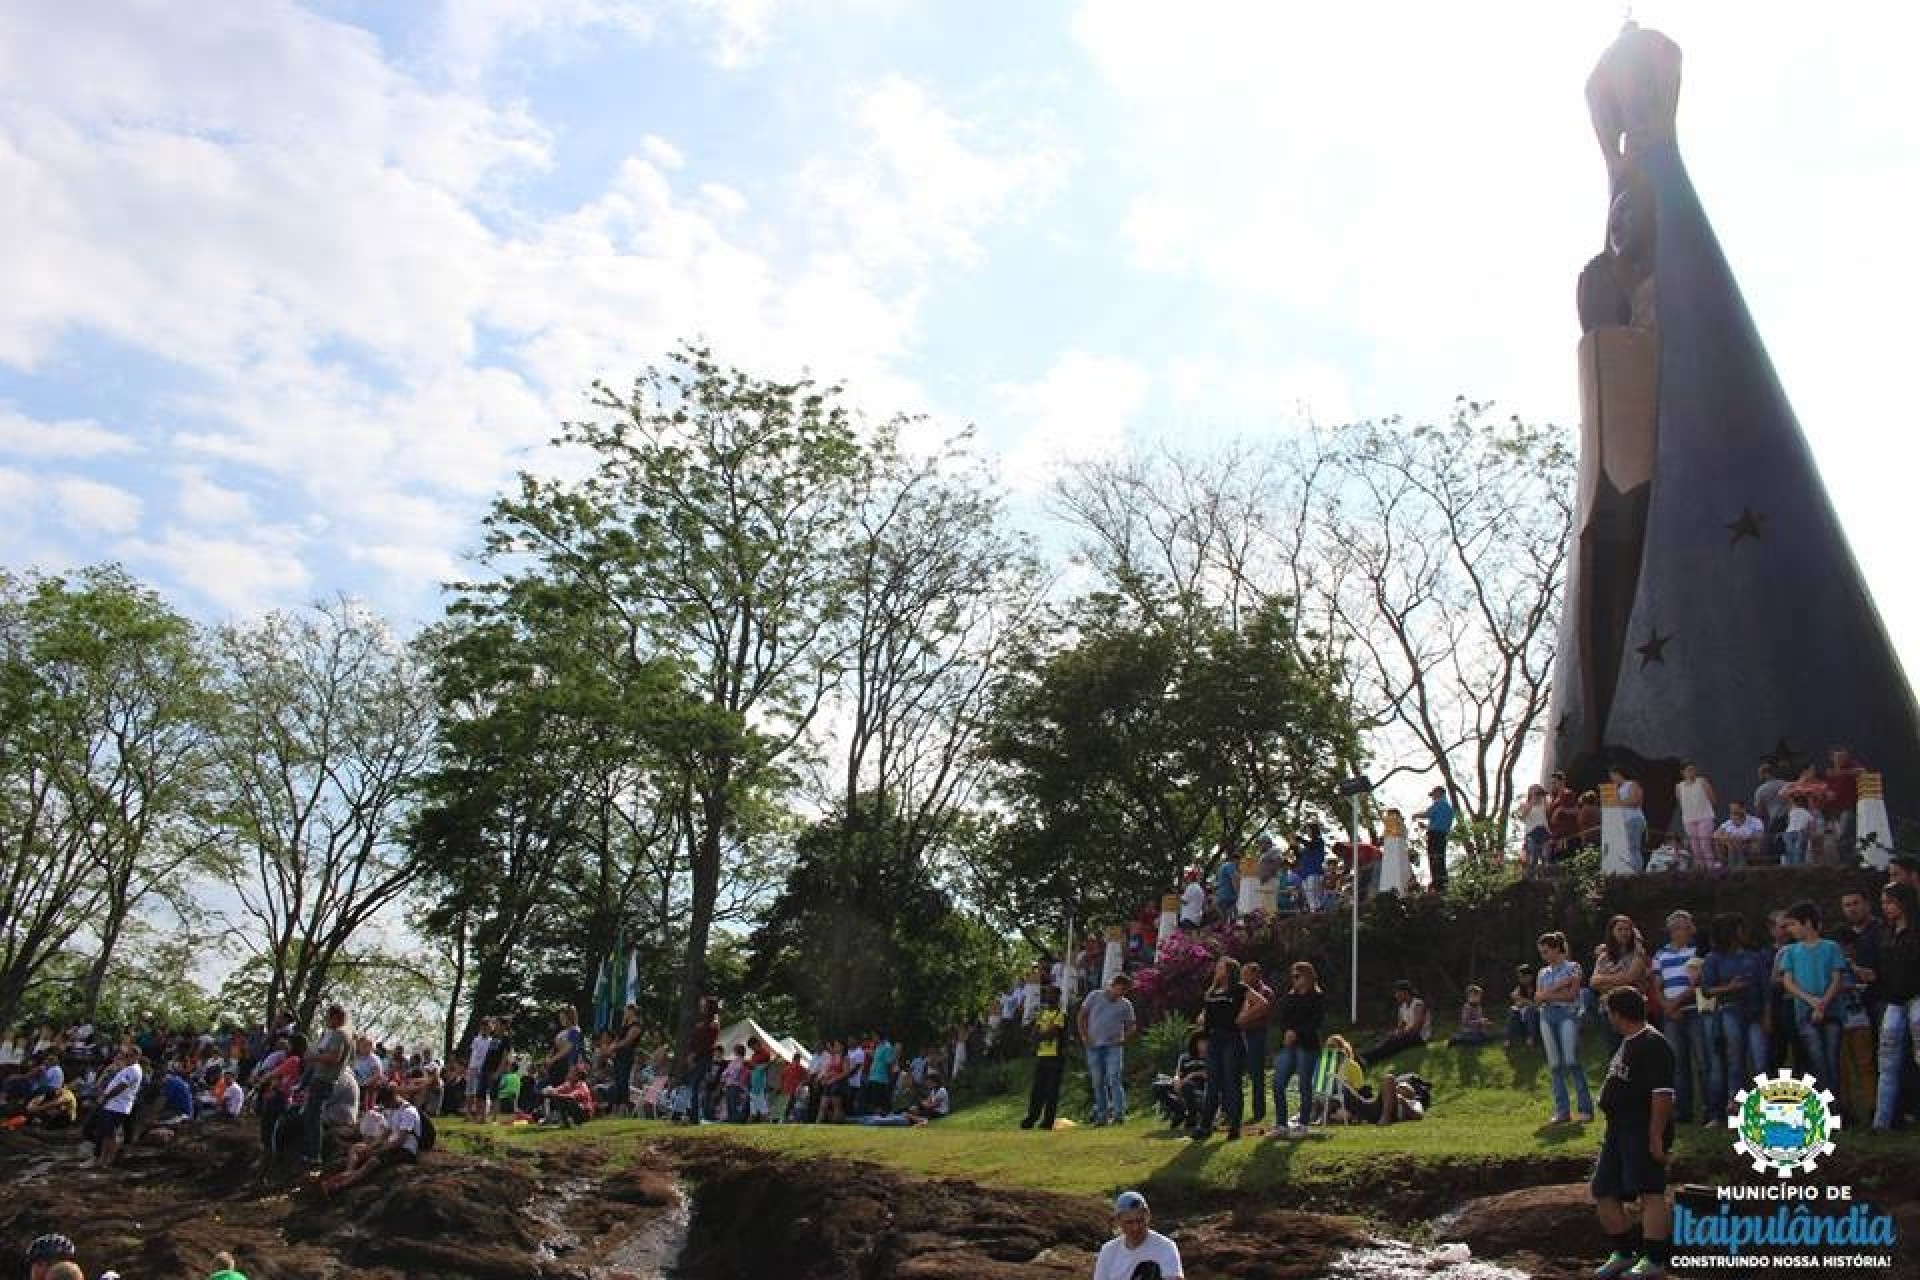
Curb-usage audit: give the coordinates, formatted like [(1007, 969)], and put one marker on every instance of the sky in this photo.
[(288, 292)]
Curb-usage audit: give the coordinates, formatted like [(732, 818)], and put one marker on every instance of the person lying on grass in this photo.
[(934, 1104)]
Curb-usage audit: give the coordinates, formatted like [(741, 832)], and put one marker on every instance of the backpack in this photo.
[(428, 1135), (1422, 1088)]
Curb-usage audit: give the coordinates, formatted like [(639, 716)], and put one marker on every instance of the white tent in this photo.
[(787, 1049)]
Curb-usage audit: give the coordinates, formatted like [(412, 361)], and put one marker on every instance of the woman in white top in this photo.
[(1557, 988), (1627, 798), (1697, 804)]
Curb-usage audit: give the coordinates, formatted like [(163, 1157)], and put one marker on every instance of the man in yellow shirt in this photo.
[(56, 1110), (1049, 1031)]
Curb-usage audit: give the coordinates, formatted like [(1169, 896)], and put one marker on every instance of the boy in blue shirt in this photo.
[(1810, 970)]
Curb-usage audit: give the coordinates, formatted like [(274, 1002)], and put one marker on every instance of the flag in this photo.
[(633, 977), (600, 996)]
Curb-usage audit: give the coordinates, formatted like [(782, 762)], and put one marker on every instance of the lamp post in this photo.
[(1354, 788)]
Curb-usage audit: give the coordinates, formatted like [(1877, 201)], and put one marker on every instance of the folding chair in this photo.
[(1326, 1088)]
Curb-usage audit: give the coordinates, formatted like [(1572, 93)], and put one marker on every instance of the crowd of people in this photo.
[(1806, 819), (1830, 989), (1833, 991)]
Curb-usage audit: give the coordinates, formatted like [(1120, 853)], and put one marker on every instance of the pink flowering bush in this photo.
[(1177, 982), (1178, 979)]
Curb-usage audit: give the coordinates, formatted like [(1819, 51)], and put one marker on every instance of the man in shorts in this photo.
[(113, 1121), (1637, 1100)]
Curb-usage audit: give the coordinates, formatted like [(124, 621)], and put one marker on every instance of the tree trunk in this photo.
[(706, 888), (110, 931), (453, 997)]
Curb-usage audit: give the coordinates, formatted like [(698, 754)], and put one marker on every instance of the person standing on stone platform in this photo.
[(1439, 819)]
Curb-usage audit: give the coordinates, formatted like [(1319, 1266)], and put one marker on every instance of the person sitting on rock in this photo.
[(391, 1139), (56, 1110)]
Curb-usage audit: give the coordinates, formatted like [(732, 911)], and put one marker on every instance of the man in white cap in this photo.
[(1137, 1253)]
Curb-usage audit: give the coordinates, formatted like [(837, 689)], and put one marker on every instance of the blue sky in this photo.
[(286, 292)]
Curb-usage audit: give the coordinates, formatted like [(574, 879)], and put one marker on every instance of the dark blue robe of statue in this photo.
[(1714, 611)]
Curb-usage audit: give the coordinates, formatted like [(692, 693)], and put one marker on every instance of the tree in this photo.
[(1147, 741), (104, 711), (540, 721), (938, 591), (712, 526), (861, 939), (329, 721), (1443, 551), (1427, 559)]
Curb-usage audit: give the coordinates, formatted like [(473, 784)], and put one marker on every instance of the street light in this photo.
[(1354, 788)]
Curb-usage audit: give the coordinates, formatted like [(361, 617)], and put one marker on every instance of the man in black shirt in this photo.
[(1637, 1100)]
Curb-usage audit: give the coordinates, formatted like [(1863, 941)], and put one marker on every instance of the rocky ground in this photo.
[(577, 1212)]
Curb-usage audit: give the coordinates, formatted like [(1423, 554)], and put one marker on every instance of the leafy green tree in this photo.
[(862, 939), (541, 720), (1144, 743), (712, 528), (105, 706)]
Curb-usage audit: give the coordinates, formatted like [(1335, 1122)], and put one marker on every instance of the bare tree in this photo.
[(1428, 559), (328, 720), (937, 587), (1442, 555)]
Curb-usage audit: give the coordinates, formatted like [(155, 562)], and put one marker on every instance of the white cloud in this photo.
[(237, 575), (74, 439), (90, 506), (199, 500), (740, 28), (314, 240), (925, 184), (661, 152), (1079, 409)]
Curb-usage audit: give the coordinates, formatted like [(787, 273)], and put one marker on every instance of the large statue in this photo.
[(1713, 611)]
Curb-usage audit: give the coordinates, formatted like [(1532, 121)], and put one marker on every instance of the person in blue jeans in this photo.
[(1106, 1023), (1557, 990), (1296, 1020), (1811, 972), (1684, 1030), (1736, 978), (1222, 1012), (1253, 1039), (1899, 983)]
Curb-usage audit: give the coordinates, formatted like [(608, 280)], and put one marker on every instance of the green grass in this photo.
[(1491, 1108)]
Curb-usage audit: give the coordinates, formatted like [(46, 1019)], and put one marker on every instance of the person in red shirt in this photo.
[(572, 1100), (1563, 817), (1843, 795), (792, 1076)]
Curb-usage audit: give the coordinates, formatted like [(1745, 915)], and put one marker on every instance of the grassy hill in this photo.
[(1487, 1132)]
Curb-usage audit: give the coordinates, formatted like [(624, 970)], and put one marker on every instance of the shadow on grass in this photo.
[(1563, 1135), (1528, 1065)]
